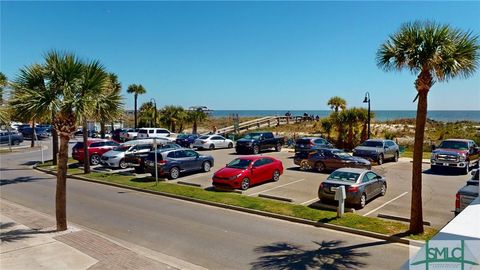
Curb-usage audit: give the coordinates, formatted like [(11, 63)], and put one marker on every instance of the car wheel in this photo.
[(206, 166), (276, 175), (122, 164), (15, 142), (467, 168), (278, 147), (363, 201), (383, 190), (305, 165), (320, 166), (380, 159), (174, 173), (139, 169), (190, 145), (395, 157), (95, 159), (230, 145), (212, 146), (245, 184), (256, 150)]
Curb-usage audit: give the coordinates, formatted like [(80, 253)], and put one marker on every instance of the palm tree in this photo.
[(3, 84), (433, 52), (171, 116), (196, 116), (136, 90), (336, 103), (340, 120), (327, 126), (362, 115), (351, 118), (108, 103), (146, 115)]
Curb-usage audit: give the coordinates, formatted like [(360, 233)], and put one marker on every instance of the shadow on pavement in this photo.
[(328, 255), (452, 171), (21, 179), (18, 234)]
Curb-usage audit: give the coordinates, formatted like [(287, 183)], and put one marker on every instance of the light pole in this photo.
[(367, 100), (155, 105)]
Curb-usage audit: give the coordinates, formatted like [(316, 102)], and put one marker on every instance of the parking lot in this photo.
[(300, 187)]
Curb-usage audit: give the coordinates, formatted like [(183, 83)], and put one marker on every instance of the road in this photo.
[(203, 235)]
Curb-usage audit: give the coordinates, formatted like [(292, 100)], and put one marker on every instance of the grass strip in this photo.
[(350, 220)]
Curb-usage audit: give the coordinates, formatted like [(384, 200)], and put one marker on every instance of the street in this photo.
[(207, 236)]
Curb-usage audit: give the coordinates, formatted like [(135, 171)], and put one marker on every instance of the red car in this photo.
[(248, 171), (96, 148)]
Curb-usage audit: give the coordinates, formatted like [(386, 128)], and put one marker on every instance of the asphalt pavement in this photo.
[(203, 235)]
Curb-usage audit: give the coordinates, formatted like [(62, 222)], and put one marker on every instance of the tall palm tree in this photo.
[(196, 116), (108, 104), (433, 52), (3, 84), (136, 90), (337, 103)]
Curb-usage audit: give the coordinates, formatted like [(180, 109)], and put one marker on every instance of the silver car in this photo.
[(116, 158), (212, 141), (360, 186)]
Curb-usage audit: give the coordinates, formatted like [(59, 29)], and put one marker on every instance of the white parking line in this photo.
[(309, 201), (399, 196), (275, 187)]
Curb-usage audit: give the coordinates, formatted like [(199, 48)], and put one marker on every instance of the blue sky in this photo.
[(240, 55)]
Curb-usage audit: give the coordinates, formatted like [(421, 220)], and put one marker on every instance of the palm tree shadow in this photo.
[(20, 179), (329, 255), (18, 234)]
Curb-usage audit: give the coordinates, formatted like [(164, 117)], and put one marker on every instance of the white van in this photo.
[(144, 133)]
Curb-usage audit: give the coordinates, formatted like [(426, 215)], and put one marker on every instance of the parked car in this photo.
[(116, 157), (378, 150), (257, 141), (116, 134), (10, 137), (307, 144), (46, 126), (329, 159), (455, 153), (212, 141), (41, 133), (245, 172), (360, 186), (467, 193), (96, 148), (137, 159), (129, 134), (144, 133), (91, 133), (173, 162), (186, 140), (20, 127)]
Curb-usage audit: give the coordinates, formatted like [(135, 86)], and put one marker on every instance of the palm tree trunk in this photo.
[(135, 108), (194, 128), (54, 142), (86, 159), (102, 129), (34, 134), (416, 211), (60, 195)]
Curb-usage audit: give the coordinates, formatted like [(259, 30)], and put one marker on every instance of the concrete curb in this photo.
[(278, 198), (189, 184), (253, 211), (323, 206)]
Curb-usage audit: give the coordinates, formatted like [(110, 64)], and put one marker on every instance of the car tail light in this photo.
[(457, 200), (311, 143), (352, 189), (162, 162), (202, 142), (321, 186)]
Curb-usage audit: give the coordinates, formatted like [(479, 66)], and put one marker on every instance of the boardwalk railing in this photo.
[(266, 121)]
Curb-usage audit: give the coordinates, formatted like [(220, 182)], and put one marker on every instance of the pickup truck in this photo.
[(467, 193), (129, 134), (257, 141), (455, 153)]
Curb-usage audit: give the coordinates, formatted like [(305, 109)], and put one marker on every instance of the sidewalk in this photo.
[(29, 241)]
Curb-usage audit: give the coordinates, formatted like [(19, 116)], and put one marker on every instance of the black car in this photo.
[(378, 150), (41, 133), (137, 159), (329, 159), (172, 163), (186, 140), (257, 141), (307, 144)]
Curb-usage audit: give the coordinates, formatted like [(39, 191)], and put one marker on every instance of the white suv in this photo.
[(144, 133)]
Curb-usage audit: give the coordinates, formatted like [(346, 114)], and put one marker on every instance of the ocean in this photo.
[(445, 116)]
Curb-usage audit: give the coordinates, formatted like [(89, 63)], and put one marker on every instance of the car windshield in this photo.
[(122, 148), (253, 136), (341, 154), (204, 137), (454, 145), (239, 163), (344, 176), (372, 144)]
